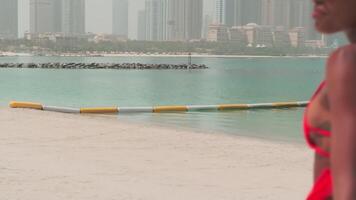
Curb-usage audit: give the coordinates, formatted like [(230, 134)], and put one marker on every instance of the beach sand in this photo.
[(50, 156)]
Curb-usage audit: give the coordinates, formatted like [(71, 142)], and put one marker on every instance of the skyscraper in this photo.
[(57, 15), (207, 21), (156, 19), (301, 17), (220, 12), (251, 11), (267, 12), (300, 13), (41, 16), (141, 25), (237, 12), (176, 20), (9, 19), (276, 13), (65, 16), (73, 16), (194, 19), (233, 12), (185, 19), (120, 19)]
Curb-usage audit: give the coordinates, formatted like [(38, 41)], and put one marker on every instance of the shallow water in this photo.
[(228, 80)]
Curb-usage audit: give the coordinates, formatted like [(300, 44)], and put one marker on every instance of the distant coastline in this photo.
[(13, 54)]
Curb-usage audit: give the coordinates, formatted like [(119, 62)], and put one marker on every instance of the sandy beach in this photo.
[(50, 156)]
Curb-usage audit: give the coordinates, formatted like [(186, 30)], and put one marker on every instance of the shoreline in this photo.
[(9, 54), (59, 156)]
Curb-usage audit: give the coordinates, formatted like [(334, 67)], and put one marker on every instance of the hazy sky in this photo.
[(99, 15)]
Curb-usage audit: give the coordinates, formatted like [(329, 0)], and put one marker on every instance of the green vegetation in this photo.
[(152, 47)]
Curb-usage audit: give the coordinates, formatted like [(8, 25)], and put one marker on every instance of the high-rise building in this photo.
[(156, 19), (233, 12), (57, 15), (73, 16), (300, 17), (120, 19), (267, 12), (208, 19), (220, 12), (141, 25), (65, 16), (251, 11), (194, 19), (9, 19), (185, 19), (276, 13), (176, 20), (238, 12), (41, 16)]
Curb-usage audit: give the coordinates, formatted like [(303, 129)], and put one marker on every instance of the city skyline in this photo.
[(98, 23), (237, 12)]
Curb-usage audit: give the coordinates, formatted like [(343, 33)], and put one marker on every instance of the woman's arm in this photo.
[(341, 86)]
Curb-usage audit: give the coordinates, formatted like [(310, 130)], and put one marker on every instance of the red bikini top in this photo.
[(308, 129)]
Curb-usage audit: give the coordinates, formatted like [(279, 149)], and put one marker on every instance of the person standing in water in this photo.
[(330, 118)]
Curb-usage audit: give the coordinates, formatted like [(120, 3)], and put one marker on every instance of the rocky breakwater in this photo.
[(138, 66)]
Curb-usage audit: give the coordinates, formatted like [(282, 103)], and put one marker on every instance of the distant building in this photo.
[(208, 19), (251, 33), (264, 36), (141, 25), (185, 20), (62, 38), (281, 37), (300, 13), (297, 37), (156, 20), (220, 11), (120, 13), (48, 16), (233, 12), (237, 12), (315, 44), (41, 16), (300, 17), (73, 16), (258, 36), (57, 12), (238, 35), (217, 33), (194, 19), (176, 24), (251, 11), (9, 19)]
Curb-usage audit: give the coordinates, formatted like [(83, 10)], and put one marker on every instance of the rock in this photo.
[(140, 66)]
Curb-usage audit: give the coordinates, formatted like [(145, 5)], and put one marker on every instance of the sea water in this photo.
[(228, 80)]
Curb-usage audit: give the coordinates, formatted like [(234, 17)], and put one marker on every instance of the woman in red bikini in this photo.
[(330, 119)]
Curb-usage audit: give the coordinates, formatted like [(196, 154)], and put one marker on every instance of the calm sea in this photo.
[(228, 80)]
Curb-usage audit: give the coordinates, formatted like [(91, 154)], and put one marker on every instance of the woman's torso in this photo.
[(318, 116), (317, 129)]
